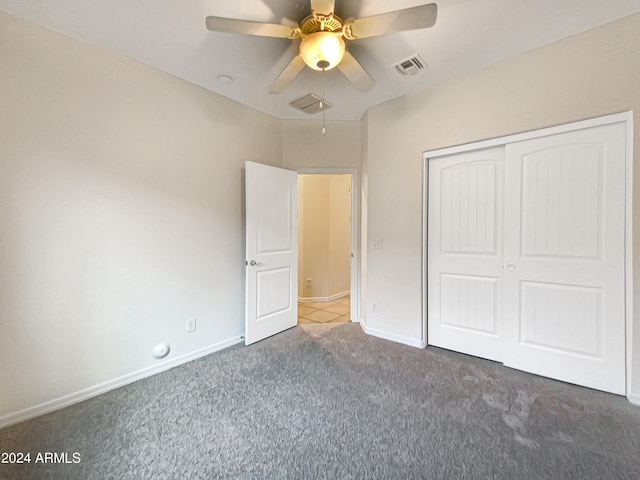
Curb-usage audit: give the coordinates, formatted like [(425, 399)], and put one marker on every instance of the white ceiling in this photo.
[(170, 35)]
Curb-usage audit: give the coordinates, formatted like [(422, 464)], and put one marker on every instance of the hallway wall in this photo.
[(324, 213)]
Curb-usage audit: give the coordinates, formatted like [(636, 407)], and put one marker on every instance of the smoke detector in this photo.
[(410, 65), (310, 104)]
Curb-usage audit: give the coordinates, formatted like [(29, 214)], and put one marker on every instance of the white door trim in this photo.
[(355, 222), (624, 117)]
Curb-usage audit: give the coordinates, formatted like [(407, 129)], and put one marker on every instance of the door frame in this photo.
[(624, 117), (355, 222)]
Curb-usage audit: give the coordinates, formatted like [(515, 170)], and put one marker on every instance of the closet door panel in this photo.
[(564, 257), (464, 253)]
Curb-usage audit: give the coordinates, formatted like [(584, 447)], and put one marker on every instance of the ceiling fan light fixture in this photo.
[(322, 50), (323, 33)]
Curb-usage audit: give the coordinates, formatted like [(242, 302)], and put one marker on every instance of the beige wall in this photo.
[(364, 216), (313, 237), (304, 146), (339, 234), (120, 214), (324, 235), (591, 74)]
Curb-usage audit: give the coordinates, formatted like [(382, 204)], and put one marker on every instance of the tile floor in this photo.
[(325, 312)]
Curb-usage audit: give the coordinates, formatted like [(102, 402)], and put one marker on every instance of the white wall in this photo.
[(591, 74), (120, 214)]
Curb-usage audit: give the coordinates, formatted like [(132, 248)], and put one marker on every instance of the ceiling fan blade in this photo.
[(414, 18), (290, 72), (245, 27), (323, 7), (355, 73)]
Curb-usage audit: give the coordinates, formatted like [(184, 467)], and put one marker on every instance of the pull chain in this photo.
[(324, 130)]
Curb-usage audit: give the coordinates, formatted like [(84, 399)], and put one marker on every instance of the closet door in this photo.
[(564, 257), (465, 252)]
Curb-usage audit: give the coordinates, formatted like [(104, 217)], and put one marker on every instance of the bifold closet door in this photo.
[(564, 255), (464, 252)]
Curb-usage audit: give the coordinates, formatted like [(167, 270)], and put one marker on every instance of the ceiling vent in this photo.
[(310, 104), (411, 65)]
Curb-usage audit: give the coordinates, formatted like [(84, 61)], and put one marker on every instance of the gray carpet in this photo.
[(327, 401)]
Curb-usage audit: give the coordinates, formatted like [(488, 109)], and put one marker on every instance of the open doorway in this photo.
[(327, 271)]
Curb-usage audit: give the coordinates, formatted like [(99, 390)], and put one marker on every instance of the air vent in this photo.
[(310, 104), (411, 65)]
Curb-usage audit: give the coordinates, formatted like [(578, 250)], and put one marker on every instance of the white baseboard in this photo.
[(324, 299), (412, 342), (363, 325), (101, 388), (634, 398)]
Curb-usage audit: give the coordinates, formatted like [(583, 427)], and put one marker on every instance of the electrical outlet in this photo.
[(191, 325), (374, 306), (376, 243)]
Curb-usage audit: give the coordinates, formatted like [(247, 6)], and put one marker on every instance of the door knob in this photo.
[(511, 267), (253, 263)]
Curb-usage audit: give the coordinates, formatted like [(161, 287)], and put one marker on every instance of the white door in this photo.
[(272, 251), (564, 256), (544, 290), (465, 252)]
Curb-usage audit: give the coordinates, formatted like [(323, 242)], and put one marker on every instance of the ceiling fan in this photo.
[(323, 34)]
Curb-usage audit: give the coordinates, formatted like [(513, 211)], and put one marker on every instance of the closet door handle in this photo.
[(253, 263), (511, 267)]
